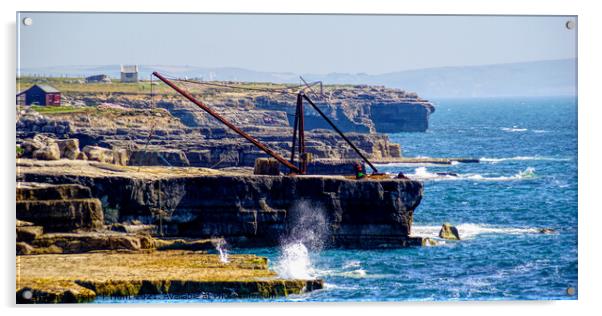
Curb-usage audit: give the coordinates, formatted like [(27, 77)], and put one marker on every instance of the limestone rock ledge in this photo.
[(250, 210), (83, 277), (58, 208)]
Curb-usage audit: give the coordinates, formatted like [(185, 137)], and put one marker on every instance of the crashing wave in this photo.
[(470, 230), (309, 231), (294, 263), (522, 158), (422, 173)]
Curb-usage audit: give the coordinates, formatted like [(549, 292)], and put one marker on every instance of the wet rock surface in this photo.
[(449, 232), (82, 278)]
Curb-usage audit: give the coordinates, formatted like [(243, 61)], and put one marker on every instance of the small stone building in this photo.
[(98, 79), (129, 73), (39, 94)]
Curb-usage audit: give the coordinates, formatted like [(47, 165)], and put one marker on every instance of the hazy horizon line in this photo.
[(294, 73)]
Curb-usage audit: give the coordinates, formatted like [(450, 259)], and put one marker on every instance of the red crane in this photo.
[(298, 132)]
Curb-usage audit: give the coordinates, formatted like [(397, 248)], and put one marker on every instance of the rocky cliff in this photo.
[(155, 137), (359, 108), (354, 108), (250, 210), (165, 129)]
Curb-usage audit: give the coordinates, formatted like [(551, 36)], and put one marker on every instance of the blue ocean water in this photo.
[(527, 180)]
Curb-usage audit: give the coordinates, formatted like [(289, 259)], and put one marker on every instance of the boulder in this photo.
[(41, 147), (267, 166), (99, 154), (69, 148), (449, 232), (50, 151), (30, 145)]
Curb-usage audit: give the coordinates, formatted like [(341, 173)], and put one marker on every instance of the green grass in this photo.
[(62, 109), (143, 87), (76, 85)]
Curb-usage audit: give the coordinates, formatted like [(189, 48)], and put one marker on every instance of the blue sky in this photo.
[(291, 43)]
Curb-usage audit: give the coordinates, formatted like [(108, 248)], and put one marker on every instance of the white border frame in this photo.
[(589, 26)]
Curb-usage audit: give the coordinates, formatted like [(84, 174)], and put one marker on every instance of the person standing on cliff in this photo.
[(359, 171)]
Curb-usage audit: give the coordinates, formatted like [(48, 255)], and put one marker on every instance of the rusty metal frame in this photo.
[(233, 127), (338, 131)]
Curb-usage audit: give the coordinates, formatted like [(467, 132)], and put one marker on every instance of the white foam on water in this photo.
[(514, 129), (521, 158), (434, 242), (351, 264), (358, 273), (411, 164), (471, 230), (422, 173), (331, 286), (294, 263)]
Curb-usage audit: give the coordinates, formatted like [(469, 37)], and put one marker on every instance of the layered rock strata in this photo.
[(251, 210), (59, 208), (215, 147)]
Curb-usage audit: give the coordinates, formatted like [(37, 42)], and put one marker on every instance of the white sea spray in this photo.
[(308, 231)]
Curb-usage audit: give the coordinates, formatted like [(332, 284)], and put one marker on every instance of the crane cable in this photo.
[(154, 125), (279, 91)]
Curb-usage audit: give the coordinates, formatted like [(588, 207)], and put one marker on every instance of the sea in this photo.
[(526, 181)]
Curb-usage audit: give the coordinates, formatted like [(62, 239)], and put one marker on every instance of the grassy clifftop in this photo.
[(78, 85)]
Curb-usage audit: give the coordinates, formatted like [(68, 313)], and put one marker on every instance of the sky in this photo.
[(317, 44)]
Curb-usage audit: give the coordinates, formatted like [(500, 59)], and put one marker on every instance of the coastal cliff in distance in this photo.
[(162, 128), (355, 108), (360, 108)]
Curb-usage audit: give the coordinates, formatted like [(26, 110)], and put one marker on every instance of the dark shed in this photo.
[(40, 94)]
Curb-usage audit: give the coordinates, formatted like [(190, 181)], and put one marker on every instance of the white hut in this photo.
[(129, 73)]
